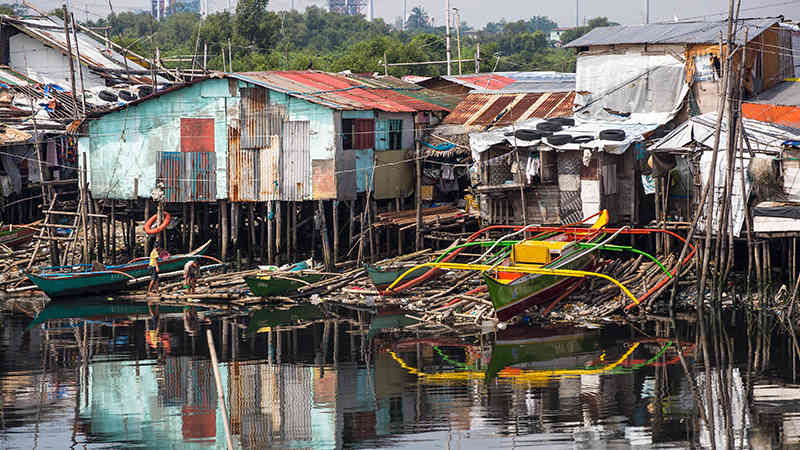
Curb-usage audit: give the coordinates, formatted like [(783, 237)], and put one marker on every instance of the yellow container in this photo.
[(470, 204), (531, 252)]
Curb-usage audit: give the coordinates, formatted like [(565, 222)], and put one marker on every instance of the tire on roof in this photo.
[(582, 139), (612, 135), (548, 126), (559, 139), (527, 135), (563, 121)]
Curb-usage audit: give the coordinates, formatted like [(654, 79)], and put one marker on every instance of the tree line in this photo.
[(255, 39)]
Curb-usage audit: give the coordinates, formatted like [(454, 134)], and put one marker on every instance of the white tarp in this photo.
[(630, 87), (737, 204), (700, 129)]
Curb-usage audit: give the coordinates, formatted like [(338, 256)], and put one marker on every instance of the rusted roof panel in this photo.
[(488, 81), (494, 110), (468, 108), (483, 108), (338, 91)]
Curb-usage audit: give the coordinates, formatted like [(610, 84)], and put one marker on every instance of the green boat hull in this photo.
[(549, 349), (94, 309), (382, 278), (265, 319), (272, 286), (57, 285)]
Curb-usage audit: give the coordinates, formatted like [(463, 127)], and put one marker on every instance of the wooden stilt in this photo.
[(251, 226), (323, 234), (291, 214), (113, 232), (399, 229), (278, 231), (107, 236), (351, 222), (263, 212), (192, 218), (335, 231), (204, 227), (225, 228), (146, 217), (418, 205), (185, 228), (270, 232)]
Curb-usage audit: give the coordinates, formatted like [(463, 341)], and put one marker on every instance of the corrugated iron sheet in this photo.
[(673, 33), (337, 91), (254, 105), (269, 167), (483, 108), (296, 161), (407, 88), (188, 176), (489, 81)]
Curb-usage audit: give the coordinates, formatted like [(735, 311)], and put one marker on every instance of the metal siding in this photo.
[(296, 161), (255, 114), (519, 109), (187, 176), (381, 134), (269, 188), (546, 106)]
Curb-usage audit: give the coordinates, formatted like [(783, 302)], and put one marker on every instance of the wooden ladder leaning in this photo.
[(49, 225)]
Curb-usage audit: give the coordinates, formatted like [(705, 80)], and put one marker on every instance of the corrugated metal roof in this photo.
[(487, 81), (337, 91), (539, 86), (786, 93), (673, 33), (92, 53), (484, 108), (409, 89)]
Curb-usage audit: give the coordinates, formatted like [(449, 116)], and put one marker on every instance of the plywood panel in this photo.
[(323, 179)]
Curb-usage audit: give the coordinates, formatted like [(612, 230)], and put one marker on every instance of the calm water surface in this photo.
[(102, 374)]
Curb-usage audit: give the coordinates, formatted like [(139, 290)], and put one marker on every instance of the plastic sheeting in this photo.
[(701, 129), (737, 204), (630, 87)]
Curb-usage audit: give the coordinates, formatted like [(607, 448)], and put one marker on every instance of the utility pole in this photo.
[(71, 62), (447, 31), (458, 37), (646, 11), (405, 17), (577, 14), (478, 57)]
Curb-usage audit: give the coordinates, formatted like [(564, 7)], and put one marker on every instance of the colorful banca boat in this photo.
[(83, 279), (277, 284)]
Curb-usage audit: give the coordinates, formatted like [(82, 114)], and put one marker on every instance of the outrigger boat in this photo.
[(550, 266), (96, 308), (87, 281), (271, 285)]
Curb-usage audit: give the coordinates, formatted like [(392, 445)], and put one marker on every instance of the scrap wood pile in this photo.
[(597, 299), (408, 218)]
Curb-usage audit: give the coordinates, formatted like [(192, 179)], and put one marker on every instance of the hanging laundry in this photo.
[(447, 182), (532, 169), (52, 158), (448, 173)]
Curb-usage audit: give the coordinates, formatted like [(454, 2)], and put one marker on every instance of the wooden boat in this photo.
[(512, 292), (282, 283), (14, 236), (64, 284)]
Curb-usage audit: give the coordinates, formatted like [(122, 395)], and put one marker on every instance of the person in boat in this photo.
[(190, 272), (153, 271)]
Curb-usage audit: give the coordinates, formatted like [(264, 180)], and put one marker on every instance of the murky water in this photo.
[(111, 375)]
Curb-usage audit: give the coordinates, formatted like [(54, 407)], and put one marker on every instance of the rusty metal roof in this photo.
[(338, 91), (505, 108), (487, 81), (408, 88)]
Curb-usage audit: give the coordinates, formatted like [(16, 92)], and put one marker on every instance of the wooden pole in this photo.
[(270, 232), (399, 229), (71, 62), (290, 231), (419, 198), (351, 222), (220, 393), (223, 211), (159, 221), (335, 231), (185, 228), (251, 226), (113, 232), (323, 234), (262, 243), (85, 209), (278, 230), (192, 216), (146, 217)]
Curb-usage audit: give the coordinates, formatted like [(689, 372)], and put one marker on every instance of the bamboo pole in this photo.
[(278, 230), (419, 197), (225, 226), (335, 219), (270, 232), (220, 394), (323, 234)]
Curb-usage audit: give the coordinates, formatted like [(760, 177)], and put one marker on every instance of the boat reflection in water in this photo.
[(319, 377)]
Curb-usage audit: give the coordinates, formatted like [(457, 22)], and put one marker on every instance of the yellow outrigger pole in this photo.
[(518, 269)]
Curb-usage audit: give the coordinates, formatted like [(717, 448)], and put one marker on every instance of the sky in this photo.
[(478, 12)]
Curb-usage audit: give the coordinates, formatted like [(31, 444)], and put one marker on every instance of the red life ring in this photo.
[(160, 228)]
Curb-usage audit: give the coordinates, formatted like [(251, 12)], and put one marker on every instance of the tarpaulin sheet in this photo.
[(394, 176), (777, 209), (737, 204), (630, 87)]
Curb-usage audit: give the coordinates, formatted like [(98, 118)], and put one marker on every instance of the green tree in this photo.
[(418, 19)]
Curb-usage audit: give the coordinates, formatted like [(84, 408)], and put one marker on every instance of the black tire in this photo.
[(563, 121), (583, 139), (107, 96), (144, 91), (127, 96), (548, 126), (612, 135), (545, 134), (559, 139), (527, 135)]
